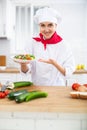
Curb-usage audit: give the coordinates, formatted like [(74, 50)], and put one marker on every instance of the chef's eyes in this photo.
[(49, 25)]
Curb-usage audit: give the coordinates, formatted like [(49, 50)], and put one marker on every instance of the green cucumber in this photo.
[(14, 94), (35, 95), (19, 84), (22, 84), (21, 98)]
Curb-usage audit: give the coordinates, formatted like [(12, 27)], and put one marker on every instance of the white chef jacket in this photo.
[(44, 74)]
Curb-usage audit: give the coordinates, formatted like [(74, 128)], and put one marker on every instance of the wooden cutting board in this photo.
[(2, 60)]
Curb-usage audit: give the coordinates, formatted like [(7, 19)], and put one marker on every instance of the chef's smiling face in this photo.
[(47, 29)]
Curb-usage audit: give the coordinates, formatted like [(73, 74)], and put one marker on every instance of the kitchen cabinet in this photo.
[(7, 19)]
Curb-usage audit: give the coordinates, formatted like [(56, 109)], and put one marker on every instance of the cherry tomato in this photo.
[(2, 95), (75, 86), (6, 92)]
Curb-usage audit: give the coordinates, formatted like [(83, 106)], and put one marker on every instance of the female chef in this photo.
[(55, 61)]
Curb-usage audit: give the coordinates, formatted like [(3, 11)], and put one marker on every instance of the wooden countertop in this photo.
[(16, 70), (58, 100), (10, 70), (83, 71)]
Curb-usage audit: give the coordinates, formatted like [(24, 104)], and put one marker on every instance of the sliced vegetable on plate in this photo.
[(23, 58)]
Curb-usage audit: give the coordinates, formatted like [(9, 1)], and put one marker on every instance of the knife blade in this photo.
[(3, 88)]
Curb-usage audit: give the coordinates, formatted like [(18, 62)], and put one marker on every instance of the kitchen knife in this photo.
[(3, 88)]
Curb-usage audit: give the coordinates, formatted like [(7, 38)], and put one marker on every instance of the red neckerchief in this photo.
[(53, 40)]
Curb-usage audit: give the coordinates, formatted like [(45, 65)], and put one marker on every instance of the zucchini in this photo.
[(22, 84), (19, 84), (22, 97), (14, 94), (35, 95)]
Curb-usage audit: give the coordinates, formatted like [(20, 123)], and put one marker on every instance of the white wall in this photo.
[(73, 29)]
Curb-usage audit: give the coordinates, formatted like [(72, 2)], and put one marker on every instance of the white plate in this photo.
[(22, 61)]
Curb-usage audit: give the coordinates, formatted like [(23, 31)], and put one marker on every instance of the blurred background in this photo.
[(17, 25)]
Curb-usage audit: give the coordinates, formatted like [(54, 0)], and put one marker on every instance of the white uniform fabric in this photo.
[(46, 74)]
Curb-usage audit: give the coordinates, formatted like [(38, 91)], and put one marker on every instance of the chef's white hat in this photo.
[(47, 14)]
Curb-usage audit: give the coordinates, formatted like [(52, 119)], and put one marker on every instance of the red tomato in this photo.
[(6, 92), (85, 85), (75, 86), (2, 95)]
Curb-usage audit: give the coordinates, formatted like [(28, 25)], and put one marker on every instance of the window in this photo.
[(25, 27)]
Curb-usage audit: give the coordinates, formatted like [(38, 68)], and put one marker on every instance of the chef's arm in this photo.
[(53, 62), (24, 67), (59, 67)]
